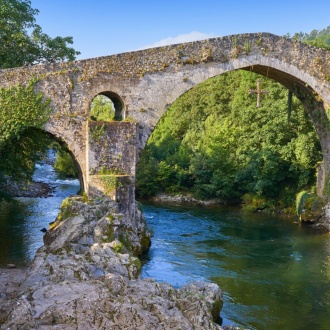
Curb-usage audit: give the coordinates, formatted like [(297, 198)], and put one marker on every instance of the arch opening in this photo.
[(67, 165), (32, 146), (314, 107), (215, 137), (107, 106)]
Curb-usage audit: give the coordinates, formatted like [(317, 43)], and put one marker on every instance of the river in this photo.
[(21, 220), (274, 274)]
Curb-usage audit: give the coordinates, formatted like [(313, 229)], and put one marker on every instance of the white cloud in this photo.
[(192, 36)]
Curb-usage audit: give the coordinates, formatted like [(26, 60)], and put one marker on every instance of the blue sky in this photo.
[(106, 27)]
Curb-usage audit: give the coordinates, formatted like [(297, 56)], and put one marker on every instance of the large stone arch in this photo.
[(303, 85)]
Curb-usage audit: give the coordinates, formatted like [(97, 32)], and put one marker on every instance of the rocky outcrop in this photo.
[(10, 280), (322, 223), (185, 199), (86, 276), (32, 189)]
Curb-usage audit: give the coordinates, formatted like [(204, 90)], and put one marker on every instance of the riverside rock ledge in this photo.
[(86, 276)]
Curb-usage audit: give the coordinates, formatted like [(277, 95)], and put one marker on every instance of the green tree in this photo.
[(19, 155), (315, 38), (23, 113), (64, 164), (102, 109), (22, 110), (21, 107), (214, 142), (22, 41)]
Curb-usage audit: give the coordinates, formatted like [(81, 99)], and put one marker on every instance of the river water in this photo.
[(22, 219), (274, 274)]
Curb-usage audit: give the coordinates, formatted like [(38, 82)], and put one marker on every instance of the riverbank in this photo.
[(32, 189), (318, 218), (184, 199), (88, 275)]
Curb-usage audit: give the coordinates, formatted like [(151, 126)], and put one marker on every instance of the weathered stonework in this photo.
[(143, 84), (112, 162)]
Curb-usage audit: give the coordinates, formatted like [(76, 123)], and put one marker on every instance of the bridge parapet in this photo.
[(173, 57)]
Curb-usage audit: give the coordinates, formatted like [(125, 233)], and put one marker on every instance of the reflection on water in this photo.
[(22, 219), (274, 274)]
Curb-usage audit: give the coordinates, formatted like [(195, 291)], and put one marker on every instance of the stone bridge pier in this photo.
[(111, 162), (143, 84)]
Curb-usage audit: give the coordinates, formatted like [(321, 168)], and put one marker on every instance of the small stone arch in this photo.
[(117, 102)]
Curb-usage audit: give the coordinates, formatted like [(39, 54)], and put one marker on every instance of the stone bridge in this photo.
[(143, 84)]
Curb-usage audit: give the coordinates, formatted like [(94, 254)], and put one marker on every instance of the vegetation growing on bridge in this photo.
[(21, 107), (214, 143)]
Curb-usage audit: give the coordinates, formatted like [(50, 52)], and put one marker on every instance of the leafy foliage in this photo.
[(315, 38), (20, 108), (20, 146), (64, 164), (102, 109), (19, 155), (214, 143), (22, 41)]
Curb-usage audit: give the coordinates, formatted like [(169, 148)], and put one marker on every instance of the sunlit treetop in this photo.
[(22, 41)]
